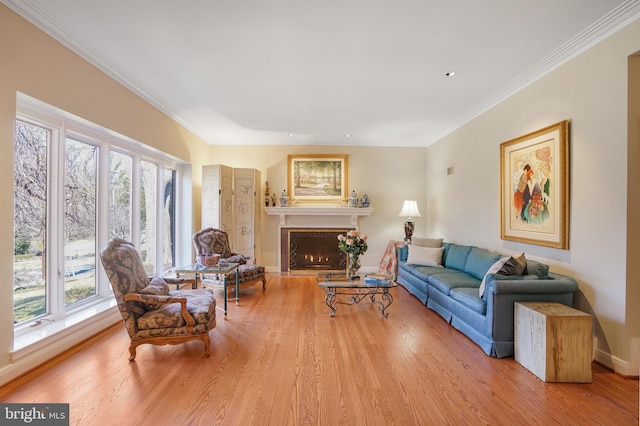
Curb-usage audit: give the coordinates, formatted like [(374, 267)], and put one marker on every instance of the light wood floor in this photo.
[(281, 360)]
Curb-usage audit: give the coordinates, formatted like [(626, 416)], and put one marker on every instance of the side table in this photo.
[(221, 270), (553, 341)]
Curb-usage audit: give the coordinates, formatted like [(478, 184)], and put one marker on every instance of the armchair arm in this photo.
[(164, 300), (177, 281), (235, 258)]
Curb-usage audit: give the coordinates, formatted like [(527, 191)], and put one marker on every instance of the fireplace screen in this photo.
[(312, 250)]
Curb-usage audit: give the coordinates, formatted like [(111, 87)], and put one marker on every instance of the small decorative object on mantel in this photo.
[(364, 202), (273, 199), (353, 244), (353, 199), (284, 199), (266, 194)]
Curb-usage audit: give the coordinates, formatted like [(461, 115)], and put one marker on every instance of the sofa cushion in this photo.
[(426, 242), (423, 272), (426, 256), (456, 256), (479, 261), (515, 265), (447, 279), (469, 298)]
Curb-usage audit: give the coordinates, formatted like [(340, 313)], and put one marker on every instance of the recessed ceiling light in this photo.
[(290, 134), (349, 135), (450, 74)]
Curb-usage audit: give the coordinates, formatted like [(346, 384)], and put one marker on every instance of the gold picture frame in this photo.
[(317, 177), (534, 187)]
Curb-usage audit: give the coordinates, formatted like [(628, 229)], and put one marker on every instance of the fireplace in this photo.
[(319, 218), (311, 249)]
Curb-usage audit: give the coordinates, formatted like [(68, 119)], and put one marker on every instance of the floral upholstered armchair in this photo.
[(152, 313), (211, 240)]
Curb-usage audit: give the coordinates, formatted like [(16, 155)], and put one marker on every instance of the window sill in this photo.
[(82, 322)]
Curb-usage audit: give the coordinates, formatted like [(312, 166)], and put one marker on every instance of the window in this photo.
[(169, 228), (78, 185), (30, 221), (80, 181), (120, 195), (148, 205)]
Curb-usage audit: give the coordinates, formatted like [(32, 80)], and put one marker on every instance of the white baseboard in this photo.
[(629, 368), (36, 358)]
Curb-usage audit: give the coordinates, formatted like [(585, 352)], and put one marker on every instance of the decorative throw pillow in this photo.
[(157, 287), (514, 266), (492, 270), (425, 256), (426, 242)]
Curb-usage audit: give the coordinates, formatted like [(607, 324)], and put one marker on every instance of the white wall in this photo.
[(387, 175), (591, 91)]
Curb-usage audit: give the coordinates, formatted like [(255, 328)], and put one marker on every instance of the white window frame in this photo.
[(36, 333)]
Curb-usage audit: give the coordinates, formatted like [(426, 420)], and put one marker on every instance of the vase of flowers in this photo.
[(353, 244)]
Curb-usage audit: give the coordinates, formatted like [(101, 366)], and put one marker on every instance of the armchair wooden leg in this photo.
[(132, 351), (207, 345)]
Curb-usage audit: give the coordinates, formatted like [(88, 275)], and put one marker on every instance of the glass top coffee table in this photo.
[(220, 270), (338, 288)]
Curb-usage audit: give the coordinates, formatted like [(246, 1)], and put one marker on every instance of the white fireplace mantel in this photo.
[(352, 212)]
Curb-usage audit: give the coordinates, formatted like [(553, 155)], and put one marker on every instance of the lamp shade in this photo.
[(409, 209)]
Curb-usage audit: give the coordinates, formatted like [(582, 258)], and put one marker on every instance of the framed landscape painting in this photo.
[(534, 187), (317, 177)]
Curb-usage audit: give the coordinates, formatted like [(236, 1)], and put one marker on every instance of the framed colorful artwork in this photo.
[(317, 177), (534, 187)]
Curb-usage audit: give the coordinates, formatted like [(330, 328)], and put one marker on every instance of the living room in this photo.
[(597, 90)]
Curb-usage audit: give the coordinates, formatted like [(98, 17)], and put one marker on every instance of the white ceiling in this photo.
[(314, 71)]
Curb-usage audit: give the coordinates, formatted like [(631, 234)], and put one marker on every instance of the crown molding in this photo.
[(66, 37), (614, 21)]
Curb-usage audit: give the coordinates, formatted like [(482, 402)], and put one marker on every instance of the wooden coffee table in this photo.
[(340, 289)]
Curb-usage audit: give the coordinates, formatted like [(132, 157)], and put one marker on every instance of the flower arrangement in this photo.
[(353, 243)]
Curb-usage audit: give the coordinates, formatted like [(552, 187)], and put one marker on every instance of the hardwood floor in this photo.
[(280, 359)]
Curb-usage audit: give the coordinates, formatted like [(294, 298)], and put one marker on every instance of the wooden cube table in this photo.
[(553, 341)]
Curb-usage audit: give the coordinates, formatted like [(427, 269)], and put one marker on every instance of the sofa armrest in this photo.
[(502, 293), (556, 284)]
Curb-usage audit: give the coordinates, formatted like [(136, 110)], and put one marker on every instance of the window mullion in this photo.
[(56, 228), (102, 213)]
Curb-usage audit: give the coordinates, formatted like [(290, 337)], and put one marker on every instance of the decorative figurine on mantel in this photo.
[(364, 202), (266, 194), (284, 199), (273, 199), (353, 199)]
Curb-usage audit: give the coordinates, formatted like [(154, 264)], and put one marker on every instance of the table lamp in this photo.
[(409, 210)]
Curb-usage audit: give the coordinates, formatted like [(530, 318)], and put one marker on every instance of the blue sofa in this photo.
[(452, 291)]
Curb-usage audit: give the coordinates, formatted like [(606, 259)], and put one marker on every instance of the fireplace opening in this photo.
[(312, 250)]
